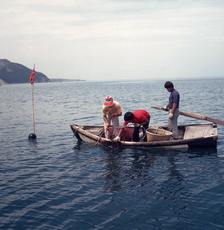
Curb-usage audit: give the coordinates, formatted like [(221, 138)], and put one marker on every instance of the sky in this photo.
[(106, 40)]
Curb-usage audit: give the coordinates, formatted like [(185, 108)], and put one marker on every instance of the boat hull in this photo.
[(196, 135)]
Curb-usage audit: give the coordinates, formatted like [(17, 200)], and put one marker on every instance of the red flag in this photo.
[(32, 76)]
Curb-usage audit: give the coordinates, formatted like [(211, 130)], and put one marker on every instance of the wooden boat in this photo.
[(192, 135)]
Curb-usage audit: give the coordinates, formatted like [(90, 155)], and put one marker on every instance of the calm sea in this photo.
[(57, 182)]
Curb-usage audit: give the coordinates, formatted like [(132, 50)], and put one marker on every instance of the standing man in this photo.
[(173, 107), (111, 111), (138, 118)]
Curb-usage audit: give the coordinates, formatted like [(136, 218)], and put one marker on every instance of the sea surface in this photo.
[(57, 182)]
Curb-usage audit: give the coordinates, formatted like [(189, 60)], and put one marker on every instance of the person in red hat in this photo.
[(111, 111)]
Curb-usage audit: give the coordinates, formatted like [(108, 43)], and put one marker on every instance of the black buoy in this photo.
[(32, 136)]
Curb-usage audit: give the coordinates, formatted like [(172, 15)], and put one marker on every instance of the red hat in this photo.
[(108, 101)]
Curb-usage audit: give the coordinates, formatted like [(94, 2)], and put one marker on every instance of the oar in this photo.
[(194, 115)]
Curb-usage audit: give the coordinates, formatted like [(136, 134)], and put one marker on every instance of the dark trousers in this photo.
[(136, 131)]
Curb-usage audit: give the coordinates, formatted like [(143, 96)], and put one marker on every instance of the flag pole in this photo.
[(32, 76), (33, 117)]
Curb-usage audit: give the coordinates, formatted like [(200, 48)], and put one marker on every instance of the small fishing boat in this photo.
[(192, 135)]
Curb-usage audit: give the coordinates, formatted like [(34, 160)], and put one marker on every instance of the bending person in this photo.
[(138, 118), (111, 111)]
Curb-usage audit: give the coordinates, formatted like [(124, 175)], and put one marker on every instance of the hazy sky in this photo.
[(115, 39)]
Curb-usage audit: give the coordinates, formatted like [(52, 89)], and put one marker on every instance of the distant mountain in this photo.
[(11, 73)]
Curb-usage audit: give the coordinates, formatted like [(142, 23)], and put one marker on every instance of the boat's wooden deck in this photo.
[(198, 131)]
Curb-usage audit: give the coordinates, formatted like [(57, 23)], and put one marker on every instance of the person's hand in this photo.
[(117, 138), (165, 108), (113, 114), (137, 125), (107, 126), (170, 116)]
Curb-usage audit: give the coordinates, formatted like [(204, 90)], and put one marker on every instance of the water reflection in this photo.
[(151, 171), (199, 152), (127, 170), (173, 192), (81, 145), (155, 173), (113, 173)]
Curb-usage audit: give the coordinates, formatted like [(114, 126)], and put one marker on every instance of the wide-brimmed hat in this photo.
[(108, 101)]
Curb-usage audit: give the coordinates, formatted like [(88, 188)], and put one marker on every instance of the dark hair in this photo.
[(168, 84), (128, 116)]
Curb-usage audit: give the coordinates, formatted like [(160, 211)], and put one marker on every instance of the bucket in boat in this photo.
[(156, 134)]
